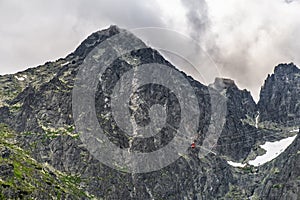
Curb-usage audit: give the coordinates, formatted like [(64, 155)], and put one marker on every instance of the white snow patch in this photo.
[(234, 164), (21, 78), (256, 121), (150, 193), (64, 64), (294, 131), (273, 149)]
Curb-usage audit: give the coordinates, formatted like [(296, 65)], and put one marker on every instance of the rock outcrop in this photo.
[(279, 97)]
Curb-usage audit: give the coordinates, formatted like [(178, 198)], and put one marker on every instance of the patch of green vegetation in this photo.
[(30, 179), (248, 120), (277, 186), (275, 170), (70, 129), (248, 169), (10, 88), (271, 126), (256, 151), (51, 133), (15, 107), (235, 193), (122, 168), (255, 197)]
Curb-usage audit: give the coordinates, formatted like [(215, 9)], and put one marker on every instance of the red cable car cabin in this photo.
[(193, 145)]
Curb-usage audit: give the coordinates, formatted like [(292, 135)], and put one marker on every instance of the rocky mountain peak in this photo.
[(96, 38), (283, 69), (240, 102), (223, 83), (280, 95)]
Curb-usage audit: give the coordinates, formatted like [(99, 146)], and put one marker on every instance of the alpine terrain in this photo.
[(42, 155)]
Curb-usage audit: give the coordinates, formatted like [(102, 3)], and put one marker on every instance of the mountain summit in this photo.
[(279, 97)]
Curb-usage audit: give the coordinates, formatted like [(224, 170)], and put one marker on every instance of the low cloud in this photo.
[(34, 31), (245, 38)]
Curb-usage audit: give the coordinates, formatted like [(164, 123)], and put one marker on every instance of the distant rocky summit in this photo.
[(279, 97)]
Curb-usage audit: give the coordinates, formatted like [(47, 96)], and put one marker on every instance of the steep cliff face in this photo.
[(240, 102), (237, 138), (279, 98), (37, 106)]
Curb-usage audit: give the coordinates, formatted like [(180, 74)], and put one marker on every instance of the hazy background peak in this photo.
[(246, 39)]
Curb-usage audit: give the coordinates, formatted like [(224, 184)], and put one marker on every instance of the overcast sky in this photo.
[(246, 39)]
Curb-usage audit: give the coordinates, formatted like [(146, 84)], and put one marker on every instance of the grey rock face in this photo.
[(279, 98), (237, 139)]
